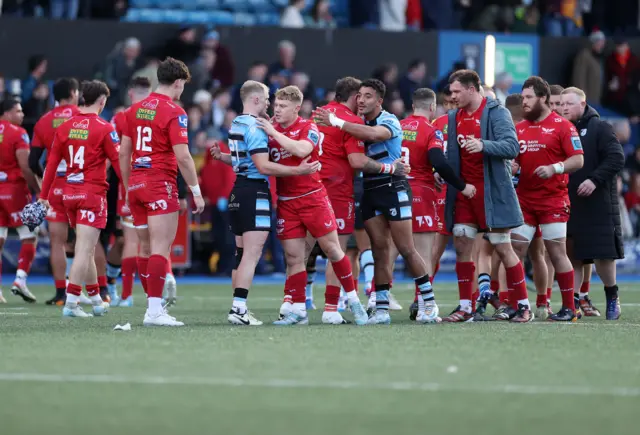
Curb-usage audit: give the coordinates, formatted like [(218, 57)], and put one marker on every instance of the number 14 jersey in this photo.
[(155, 125)]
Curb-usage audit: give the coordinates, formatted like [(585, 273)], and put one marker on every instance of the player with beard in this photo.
[(386, 205), (304, 206), (482, 139), (139, 89), (550, 148), (15, 181), (85, 143), (66, 93)]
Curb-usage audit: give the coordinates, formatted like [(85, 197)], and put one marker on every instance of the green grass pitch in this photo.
[(78, 376)]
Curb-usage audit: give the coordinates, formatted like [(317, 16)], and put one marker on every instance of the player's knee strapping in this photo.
[(461, 230), (554, 231), (4, 232), (499, 238), (24, 233), (239, 252), (527, 232)]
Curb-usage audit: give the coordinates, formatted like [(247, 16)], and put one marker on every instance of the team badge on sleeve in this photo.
[(183, 121), (114, 137), (313, 136), (575, 141), (439, 135), (25, 138)]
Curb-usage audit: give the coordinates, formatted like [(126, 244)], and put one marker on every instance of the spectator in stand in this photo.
[(37, 69), (562, 18), (302, 81), (149, 71), (219, 108), (628, 229), (588, 68), (204, 100), (119, 69), (107, 9), (392, 15), (195, 123), (388, 74), (216, 182), (64, 9), (184, 46), (229, 116), (321, 15), (502, 87), (397, 107), (444, 81), (621, 77), (35, 107), (286, 59), (632, 163), (201, 72), (3, 88), (257, 72), (488, 92), (632, 201), (223, 71), (306, 109), (292, 15), (527, 20), (412, 80), (622, 129)]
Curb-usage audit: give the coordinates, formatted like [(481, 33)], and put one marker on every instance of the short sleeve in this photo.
[(257, 140), (570, 141), (111, 142), (435, 140), (311, 134), (37, 135), (178, 133), (121, 125), (353, 145), (392, 123), (22, 143)]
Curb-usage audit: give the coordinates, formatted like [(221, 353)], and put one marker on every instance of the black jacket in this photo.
[(594, 224)]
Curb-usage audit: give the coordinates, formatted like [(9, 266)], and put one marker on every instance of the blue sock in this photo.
[(484, 283), (426, 291), (382, 297), (113, 271)]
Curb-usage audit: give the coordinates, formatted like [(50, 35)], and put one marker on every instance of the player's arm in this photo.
[(217, 154), (299, 148), (37, 149), (377, 133), (360, 162), (53, 162), (611, 156), (267, 167), (22, 156), (505, 145), (111, 144), (124, 156)]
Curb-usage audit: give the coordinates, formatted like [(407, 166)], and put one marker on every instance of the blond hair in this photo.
[(576, 91), (251, 87), (290, 93)]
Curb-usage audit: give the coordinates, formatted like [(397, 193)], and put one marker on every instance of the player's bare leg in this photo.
[(161, 233), (82, 270), (402, 235), (114, 267), (341, 270), (537, 256), (25, 259), (394, 305), (333, 301), (556, 244), (439, 246), (58, 232), (129, 264), (584, 302), (378, 232), (311, 278), (551, 276), (366, 258), (499, 286), (296, 252), (464, 236), (248, 253), (101, 266)]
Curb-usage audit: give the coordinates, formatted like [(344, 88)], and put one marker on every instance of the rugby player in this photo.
[(15, 181), (550, 148), (250, 200), (481, 140), (386, 204), (84, 142), (304, 206), (153, 147), (66, 93)]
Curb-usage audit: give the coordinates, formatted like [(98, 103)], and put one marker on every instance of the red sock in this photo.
[(143, 263), (495, 286), (417, 294), (93, 289), (344, 273), (565, 282), (549, 291), (73, 289), (169, 268), (515, 278), (390, 284), (541, 300), (331, 297), (355, 283), (60, 283), (297, 284), (465, 279), (584, 288), (129, 267), (102, 281), (26, 256), (156, 271)]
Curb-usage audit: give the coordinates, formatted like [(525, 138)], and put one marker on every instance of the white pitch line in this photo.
[(327, 384), (7, 313)]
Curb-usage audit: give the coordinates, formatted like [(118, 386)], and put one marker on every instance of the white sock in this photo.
[(465, 305), (524, 302), (352, 296), (72, 300), (96, 299), (583, 295), (301, 308), (21, 274), (241, 306), (155, 305)]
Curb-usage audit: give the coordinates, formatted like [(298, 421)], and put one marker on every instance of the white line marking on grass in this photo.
[(326, 384), (8, 313)]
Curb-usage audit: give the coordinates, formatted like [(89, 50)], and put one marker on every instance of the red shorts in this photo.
[(425, 217), (85, 208), (345, 213), (441, 199), (471, 210), (151, 198), (311, 213), (56, 212), (13, 198), (549, 211)]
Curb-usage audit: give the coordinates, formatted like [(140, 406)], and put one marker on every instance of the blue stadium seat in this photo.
[(268, 19), (170, 4), (244, 19), (151, 15), (235, 5), (198, 17), (140, 4), (262, 6), (206, 4), (174, 15), (133, 15), (223, 18)]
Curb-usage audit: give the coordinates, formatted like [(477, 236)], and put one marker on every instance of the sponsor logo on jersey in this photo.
[(575, 141), (548, 130), (409, 135), (150, 104), (80, 130), (413, 126), (114, 137), (145, 114), (142, 162), (313, 136), (583, 132), (60, 117), (445, 129), (183, 121)]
